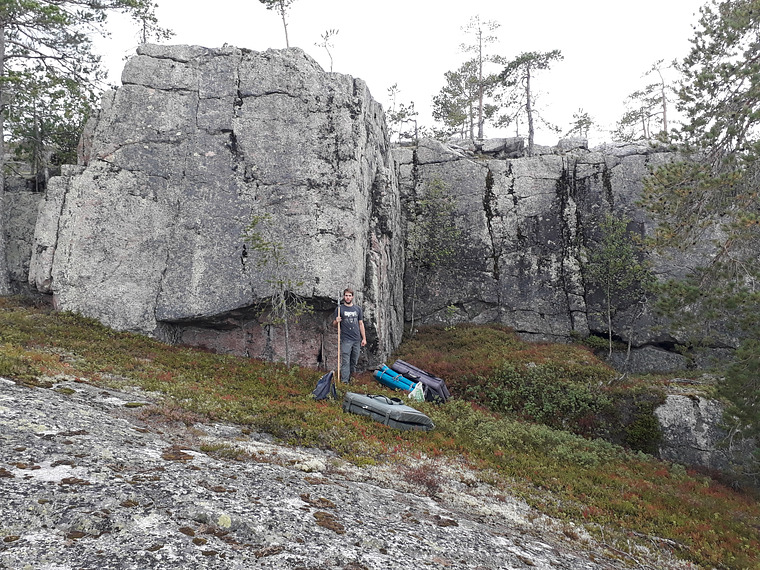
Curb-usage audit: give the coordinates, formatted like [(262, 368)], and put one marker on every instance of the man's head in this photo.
[(348, 296)]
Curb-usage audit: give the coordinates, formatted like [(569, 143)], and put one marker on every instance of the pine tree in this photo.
[(454, 106), (646, 115), (281, 7), (517, 78), (468, 100), (714, 195), (616, 266), (283, 304), (400, 114), (480, 31), (48, 43)]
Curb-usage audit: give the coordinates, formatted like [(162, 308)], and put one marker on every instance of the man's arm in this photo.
[(364, 336)]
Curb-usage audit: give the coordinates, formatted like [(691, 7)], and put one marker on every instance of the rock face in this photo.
[(694, 434), (20, 216), (89, 482), (691, 432), (147, 235), (525, 223), (522, 222)]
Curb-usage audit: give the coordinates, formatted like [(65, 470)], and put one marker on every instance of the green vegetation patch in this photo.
[(589, 481)]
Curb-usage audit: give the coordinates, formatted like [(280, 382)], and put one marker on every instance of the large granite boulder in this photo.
[(695, 433), (147, 234)]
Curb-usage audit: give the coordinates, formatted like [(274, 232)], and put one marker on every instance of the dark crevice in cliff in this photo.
[(489, 209), (520, 236), (567, 193), (607, 186), (511, 190), (237, 157), (276, 92), (244, 257), (238, 101)]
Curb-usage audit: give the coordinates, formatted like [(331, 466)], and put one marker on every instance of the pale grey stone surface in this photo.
[(692, 433), (19, 212), (87, 485), (149, 236)]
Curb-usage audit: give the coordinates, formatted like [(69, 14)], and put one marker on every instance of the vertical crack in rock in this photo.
[(167, 262), (66, 183), (238, 101), (489, 208), (511, 189), (582, 241), (607, 186), (567, 186), (243, 257)]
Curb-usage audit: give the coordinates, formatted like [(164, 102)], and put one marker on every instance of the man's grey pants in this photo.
[(349, 358)]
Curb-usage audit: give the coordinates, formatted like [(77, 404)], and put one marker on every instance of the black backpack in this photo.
[(325, 388)]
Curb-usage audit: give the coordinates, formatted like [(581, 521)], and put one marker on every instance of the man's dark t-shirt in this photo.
[(349, 324)]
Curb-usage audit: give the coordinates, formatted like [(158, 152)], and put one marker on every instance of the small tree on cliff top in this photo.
[(281, 6), (284, 305), (646, 115), (517, 78), (399, 114), (327, 44)]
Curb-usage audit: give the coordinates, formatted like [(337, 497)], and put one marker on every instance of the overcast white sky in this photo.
[(607, 45)]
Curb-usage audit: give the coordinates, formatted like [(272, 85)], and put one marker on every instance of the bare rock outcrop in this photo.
[(89, 484), (695, 433), (19, 210), (146, 235)]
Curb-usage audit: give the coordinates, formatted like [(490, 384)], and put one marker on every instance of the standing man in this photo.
[(352, 336)]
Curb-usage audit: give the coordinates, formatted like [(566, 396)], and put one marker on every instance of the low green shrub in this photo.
[(546, 393)]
